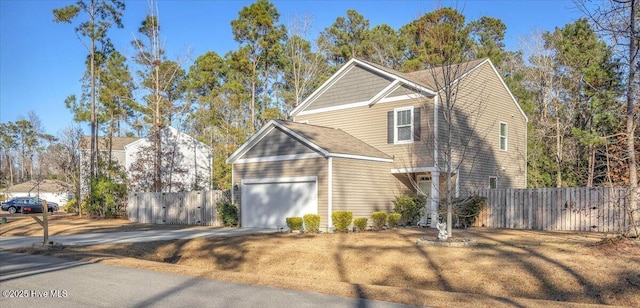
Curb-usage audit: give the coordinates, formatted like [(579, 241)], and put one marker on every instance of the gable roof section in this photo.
[(118, 142), (397, 79), (434, 77), (327, 142), (172, 131), (430, 81), (50, 186)]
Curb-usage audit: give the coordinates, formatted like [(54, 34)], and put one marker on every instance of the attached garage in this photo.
[(266, 203), (286, 170)]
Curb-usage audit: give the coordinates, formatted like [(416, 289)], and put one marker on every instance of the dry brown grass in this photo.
[(506, 268)]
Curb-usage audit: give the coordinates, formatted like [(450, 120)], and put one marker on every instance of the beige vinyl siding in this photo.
[(362, 187), (402, 184), (358, 85), (276, 143), (404, 90), (290, 168), (369, 124), (481, 104)]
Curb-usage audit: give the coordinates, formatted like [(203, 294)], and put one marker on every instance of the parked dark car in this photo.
[(27, 205)]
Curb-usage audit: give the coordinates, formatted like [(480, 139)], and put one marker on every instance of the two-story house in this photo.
[(370, 134), (186, 162)]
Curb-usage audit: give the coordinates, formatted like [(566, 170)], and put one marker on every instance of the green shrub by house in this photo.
[(379, 220), (228, 213), (393, 219), (294, 223), (464, 210), (410, 207), (342, 220), (311, 223), (361, 224)]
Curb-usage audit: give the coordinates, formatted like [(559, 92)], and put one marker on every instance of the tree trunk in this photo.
[(631, 88), (591, 162), (158, 144), (558, 152)]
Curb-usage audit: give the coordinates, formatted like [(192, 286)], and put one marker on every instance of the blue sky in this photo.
[(41, 62)]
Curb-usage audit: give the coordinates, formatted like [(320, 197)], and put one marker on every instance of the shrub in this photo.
[(464, 210), (379, 220), (228, 213), (294, 223), (361, 224), (311, 222), (410, 207), (342, 220), (394, 219), (108, 198), (71, 206)]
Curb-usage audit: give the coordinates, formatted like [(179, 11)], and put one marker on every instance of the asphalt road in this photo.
[(43, 281), (127, 237)]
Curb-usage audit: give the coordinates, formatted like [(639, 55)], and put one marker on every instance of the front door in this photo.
[(424, 185), (424, 188)]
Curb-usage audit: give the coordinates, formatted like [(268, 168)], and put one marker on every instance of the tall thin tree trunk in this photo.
[(10, 161), (591, 163), (158, 158), (253, 105), (631, 88), (558, 152), (633, 165)]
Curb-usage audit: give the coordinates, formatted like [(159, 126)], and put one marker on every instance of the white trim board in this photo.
[(414, 170), (392, 99), (359, 157), (277, 158), (295, 179)]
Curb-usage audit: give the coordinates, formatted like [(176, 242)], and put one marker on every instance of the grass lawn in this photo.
[(506, 268)]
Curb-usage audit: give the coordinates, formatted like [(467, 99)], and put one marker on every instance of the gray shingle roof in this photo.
[(118, 142), (434, 78), (334, 141), (54, 186)]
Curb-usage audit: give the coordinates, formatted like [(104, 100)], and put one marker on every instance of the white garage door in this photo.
[(267, 202)]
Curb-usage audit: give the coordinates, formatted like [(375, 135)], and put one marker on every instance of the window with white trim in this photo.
[(493, 182), (504, 132), (403, 129)]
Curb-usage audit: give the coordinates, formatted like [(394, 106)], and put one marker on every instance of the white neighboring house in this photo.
[(51, 190), (190, 155), (186, 161)]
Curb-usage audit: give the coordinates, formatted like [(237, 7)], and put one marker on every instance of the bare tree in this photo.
[(618, 20), (303, 68), (162, 79)]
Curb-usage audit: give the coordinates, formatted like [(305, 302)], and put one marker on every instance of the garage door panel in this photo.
[(266, 205)]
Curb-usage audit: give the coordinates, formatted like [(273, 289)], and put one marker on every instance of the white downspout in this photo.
[(233, 194), (330, 193)]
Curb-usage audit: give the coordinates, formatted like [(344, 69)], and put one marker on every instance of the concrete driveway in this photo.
[(40, 281), (128, 237)]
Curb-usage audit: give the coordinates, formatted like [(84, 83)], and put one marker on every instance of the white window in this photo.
[(493, 182), (403, 130), (503, 136)]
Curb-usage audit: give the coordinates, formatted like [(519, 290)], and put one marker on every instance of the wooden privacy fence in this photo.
[(599, 209), (181, 208)]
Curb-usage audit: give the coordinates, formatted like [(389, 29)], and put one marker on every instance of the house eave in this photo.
[(397, 81)]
